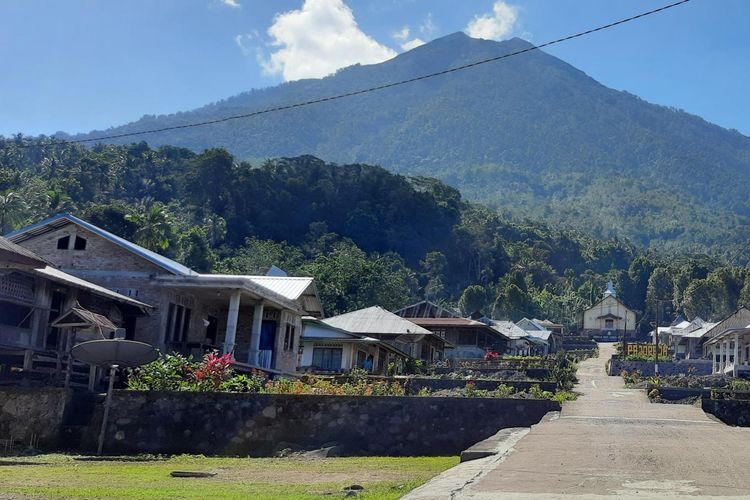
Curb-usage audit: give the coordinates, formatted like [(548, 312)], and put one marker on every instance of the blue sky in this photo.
[(80, 65)]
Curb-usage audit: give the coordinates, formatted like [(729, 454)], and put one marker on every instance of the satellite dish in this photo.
[(115, 352)]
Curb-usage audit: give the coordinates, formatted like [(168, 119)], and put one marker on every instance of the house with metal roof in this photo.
[(467, 338), (326, 349), (536, 329), (43, 309), (257, 318), (405, 335)]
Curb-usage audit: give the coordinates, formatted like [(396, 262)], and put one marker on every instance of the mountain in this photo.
[(529, 134)]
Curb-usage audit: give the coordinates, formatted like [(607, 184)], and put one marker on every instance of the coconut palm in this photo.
[(12, 208), (154, 227)]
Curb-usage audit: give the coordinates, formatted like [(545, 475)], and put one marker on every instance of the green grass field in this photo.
[(63, 476)]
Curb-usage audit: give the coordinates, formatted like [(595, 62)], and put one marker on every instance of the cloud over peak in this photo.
[(317, 39), (495, 25)]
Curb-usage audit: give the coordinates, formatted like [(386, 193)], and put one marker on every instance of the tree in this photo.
[(12, 209), (154, 227), (209, 180), (474, 299), (195, 251), (349, 279)]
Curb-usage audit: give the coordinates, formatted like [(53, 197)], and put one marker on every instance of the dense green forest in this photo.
[(369, 236), (531, 135)]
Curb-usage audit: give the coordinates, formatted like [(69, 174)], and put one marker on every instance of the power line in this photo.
[(362, 91)]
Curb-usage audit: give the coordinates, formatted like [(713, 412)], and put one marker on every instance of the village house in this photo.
[(726, 341), (404, 335), (470, 338), (44, 311), (609, 319), (257, 318), (520, 343), (685, 338), (730, 352), (326, 348), (536, 329)]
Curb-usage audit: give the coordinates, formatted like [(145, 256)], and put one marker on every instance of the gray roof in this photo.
[(738, 319), (62, 277), (12, 255), (510, 329), (61, 220), (376, 320)]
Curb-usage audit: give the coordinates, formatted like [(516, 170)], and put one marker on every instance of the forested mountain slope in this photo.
[(529, 134), (370, 237)]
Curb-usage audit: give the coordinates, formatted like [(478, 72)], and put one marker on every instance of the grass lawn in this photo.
[(63, 476)]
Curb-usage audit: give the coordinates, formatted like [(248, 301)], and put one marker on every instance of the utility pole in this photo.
[(656, 337)]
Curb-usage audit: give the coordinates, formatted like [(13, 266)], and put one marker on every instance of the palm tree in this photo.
[(12, 208), (154, 227)]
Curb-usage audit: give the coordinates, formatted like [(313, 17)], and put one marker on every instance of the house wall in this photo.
[(609, 305), (348, 353)]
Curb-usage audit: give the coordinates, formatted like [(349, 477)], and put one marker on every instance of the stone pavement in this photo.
[(611, 442)]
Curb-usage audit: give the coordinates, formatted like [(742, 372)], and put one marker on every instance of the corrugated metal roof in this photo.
[(738, 319), (510, 329), (446, 322), (61, 220), (16, 255), (376, 320), (286, 286), (62, 277)]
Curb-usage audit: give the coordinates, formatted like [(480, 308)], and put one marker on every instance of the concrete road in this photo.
[(611, 442)]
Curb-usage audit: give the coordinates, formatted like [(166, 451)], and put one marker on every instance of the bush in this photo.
[(563, 371)]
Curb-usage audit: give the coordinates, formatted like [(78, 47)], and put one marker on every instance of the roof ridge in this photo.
[(155, 258)]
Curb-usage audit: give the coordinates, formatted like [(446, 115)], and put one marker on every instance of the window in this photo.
[(609, 324), (327, 358), (289, 337), (79, 244), (15, 315), (63, 243)]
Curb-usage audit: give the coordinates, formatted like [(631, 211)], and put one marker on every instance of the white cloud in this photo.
[(235, 4), (245, 42), (402, 37), (411, 44), (495, 25), (318, 39), (428, 27)]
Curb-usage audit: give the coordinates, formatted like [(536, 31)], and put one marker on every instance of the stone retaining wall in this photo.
[(260, 424), (678, 393), (414, 384), (730, 411), (33, 411), (700, 367)]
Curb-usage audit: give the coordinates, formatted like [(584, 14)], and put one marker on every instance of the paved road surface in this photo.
[(610, 442)]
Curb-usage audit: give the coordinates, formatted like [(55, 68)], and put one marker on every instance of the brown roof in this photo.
[(79, 317), (454, 322), (16, 256), (446, 322)]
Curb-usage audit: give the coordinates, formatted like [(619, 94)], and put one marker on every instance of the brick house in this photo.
[(35, 298), (257, 318)]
